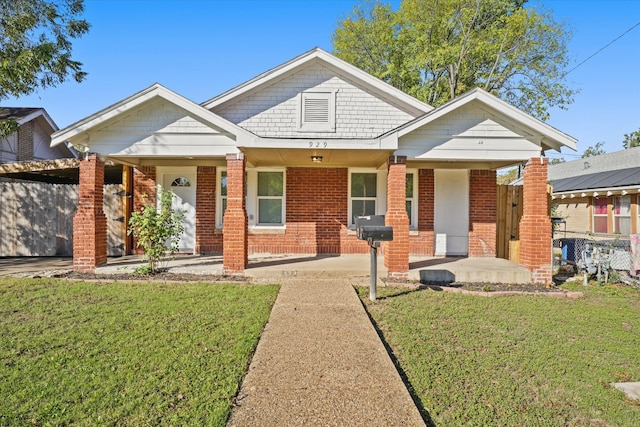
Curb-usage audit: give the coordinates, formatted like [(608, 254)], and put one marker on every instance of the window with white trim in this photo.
[(622, 214), (412, 197), (600, 217), (221, 191), (270, 196), (364, 188), (317, 111)]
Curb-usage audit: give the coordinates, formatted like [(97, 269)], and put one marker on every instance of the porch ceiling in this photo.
[(329, 158)]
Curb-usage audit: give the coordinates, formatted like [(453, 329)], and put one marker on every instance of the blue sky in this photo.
[(201, 48)]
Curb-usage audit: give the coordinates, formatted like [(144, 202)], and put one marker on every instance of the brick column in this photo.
[(205, 210), (483, 213), (144, 193), (235, 244), (396, 252), (535, 224), (90, 223)]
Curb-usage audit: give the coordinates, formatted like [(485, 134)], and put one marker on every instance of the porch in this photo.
[(354, 267)]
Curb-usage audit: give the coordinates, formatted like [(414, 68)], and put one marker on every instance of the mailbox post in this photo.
[(372, 229)]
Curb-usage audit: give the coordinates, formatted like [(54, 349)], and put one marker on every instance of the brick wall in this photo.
[(144, 192), (208, 240), (90, 223), (25, 142), (483, 213), (423, 242), (396, 255), (535, 224), (316, 215)]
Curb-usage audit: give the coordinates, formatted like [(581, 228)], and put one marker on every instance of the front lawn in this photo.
[(125, 353), (525, 360)]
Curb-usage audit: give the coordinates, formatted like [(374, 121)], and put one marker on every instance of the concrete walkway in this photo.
[(320, 362)]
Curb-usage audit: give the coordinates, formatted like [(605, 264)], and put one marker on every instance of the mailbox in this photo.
[(372, 229), (375, 233)]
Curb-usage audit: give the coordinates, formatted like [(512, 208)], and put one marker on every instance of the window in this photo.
[(622, 214), (317, 112), (411, 198), (223, 194), (181, 182), (363, 194), (600, 215), (270, 198)]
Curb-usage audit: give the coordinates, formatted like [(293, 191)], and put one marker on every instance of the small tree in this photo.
[(157, 230)]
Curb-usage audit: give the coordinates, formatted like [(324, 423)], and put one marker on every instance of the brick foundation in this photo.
[(90, 223), (535, 224)]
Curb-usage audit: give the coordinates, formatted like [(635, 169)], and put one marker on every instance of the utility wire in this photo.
[(600, 50)]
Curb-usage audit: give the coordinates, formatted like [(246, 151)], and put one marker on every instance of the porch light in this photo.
[(316, 159)]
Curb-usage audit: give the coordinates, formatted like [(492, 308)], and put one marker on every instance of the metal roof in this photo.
[(592, 181)]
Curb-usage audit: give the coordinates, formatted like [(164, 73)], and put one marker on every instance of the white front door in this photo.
[(451, 221), (183, 185)]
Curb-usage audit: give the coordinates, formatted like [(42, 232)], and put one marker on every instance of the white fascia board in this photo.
[(319, 144), (454, 155), (602, 190), (551, 136), (156, 90), (338, 65)]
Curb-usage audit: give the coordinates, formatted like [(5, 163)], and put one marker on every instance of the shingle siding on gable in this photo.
[(274, 112)]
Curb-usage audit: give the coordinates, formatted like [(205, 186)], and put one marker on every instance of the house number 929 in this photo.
[(317, 144)]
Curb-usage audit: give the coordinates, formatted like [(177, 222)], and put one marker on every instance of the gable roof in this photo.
[(383, 90), (550, 136), (23, 115), (616, 160), (75, 130)]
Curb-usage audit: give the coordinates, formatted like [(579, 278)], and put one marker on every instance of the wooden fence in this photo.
[(36, 219), (510, 201)]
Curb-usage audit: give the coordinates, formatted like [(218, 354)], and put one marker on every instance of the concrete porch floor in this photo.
[(266, 268)]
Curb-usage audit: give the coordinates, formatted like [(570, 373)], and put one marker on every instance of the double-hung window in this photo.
[(411, 197), (270, 198), (600, 217), (622, 214), (363, 193)]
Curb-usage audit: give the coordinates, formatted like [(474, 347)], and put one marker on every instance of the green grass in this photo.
[(506, 361), (125, 354)]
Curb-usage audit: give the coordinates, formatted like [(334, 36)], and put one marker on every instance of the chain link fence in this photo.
[(594, 254)]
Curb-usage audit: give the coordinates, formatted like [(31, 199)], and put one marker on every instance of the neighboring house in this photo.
[(599, 194), (284, 162), (32, 141)]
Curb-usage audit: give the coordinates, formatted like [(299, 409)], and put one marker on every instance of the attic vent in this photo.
[(317, 111)]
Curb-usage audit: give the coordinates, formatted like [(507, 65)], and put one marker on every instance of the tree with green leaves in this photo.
[(594, 150), (35, 46), (157, 230), (631, 139), (436, 50)]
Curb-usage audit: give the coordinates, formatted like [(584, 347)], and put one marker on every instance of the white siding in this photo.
[(158, 128), (9, 148), (274, 112), (468, 133)]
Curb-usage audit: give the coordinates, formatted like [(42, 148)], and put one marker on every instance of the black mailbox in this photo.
[(376, 233), (372, 229)]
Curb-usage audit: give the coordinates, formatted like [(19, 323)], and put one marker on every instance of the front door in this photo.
[(183, 186), (451, 222)]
